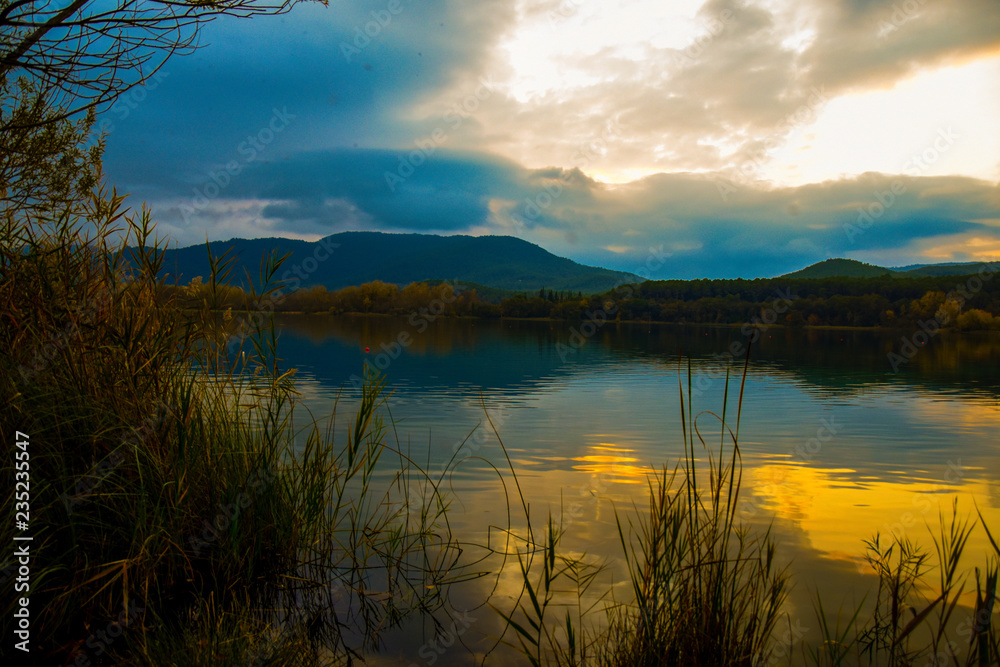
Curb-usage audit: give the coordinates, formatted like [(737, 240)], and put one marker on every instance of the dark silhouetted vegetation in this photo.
[(171, 491), (852, 268), (962, 302)]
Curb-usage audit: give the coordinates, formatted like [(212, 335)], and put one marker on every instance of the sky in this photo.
[(678, 139)]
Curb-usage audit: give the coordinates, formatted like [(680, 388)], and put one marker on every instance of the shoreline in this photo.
[(717, 325)]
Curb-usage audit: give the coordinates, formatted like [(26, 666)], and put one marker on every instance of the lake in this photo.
[(835, 443)]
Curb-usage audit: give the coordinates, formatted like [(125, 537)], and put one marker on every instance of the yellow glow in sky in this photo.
[(545, 49), (559, 60), (938, 123)]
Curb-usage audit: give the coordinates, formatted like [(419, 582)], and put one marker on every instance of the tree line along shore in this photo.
[(965, 303)]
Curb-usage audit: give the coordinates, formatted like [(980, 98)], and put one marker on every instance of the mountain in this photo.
[(352, 258), (934, 270), (845, 268), (850, 268)]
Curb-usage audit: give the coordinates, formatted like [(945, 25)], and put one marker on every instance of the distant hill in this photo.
[(850, 268), (935, 270), (839, 268), (501, 262)]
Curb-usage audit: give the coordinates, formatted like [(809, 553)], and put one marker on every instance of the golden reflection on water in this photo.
[(835, 511), (612, 461), (969, 415)]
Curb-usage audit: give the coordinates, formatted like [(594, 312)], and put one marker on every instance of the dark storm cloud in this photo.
[(747, 232), (417, 190), (761, 232), (442, 192), (343, 91)]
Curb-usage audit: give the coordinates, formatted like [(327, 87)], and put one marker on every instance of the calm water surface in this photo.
[(835, 444)]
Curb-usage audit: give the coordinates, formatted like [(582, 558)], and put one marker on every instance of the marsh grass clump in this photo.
[(708, 590), (705, 589), (550, 622), (917, 618), (174, 498)]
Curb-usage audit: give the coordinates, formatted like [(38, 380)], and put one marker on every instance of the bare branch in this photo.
[(86, 53)]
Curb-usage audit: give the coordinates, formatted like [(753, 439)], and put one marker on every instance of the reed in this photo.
[(174, 497), (705, 589), (914, 619)]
